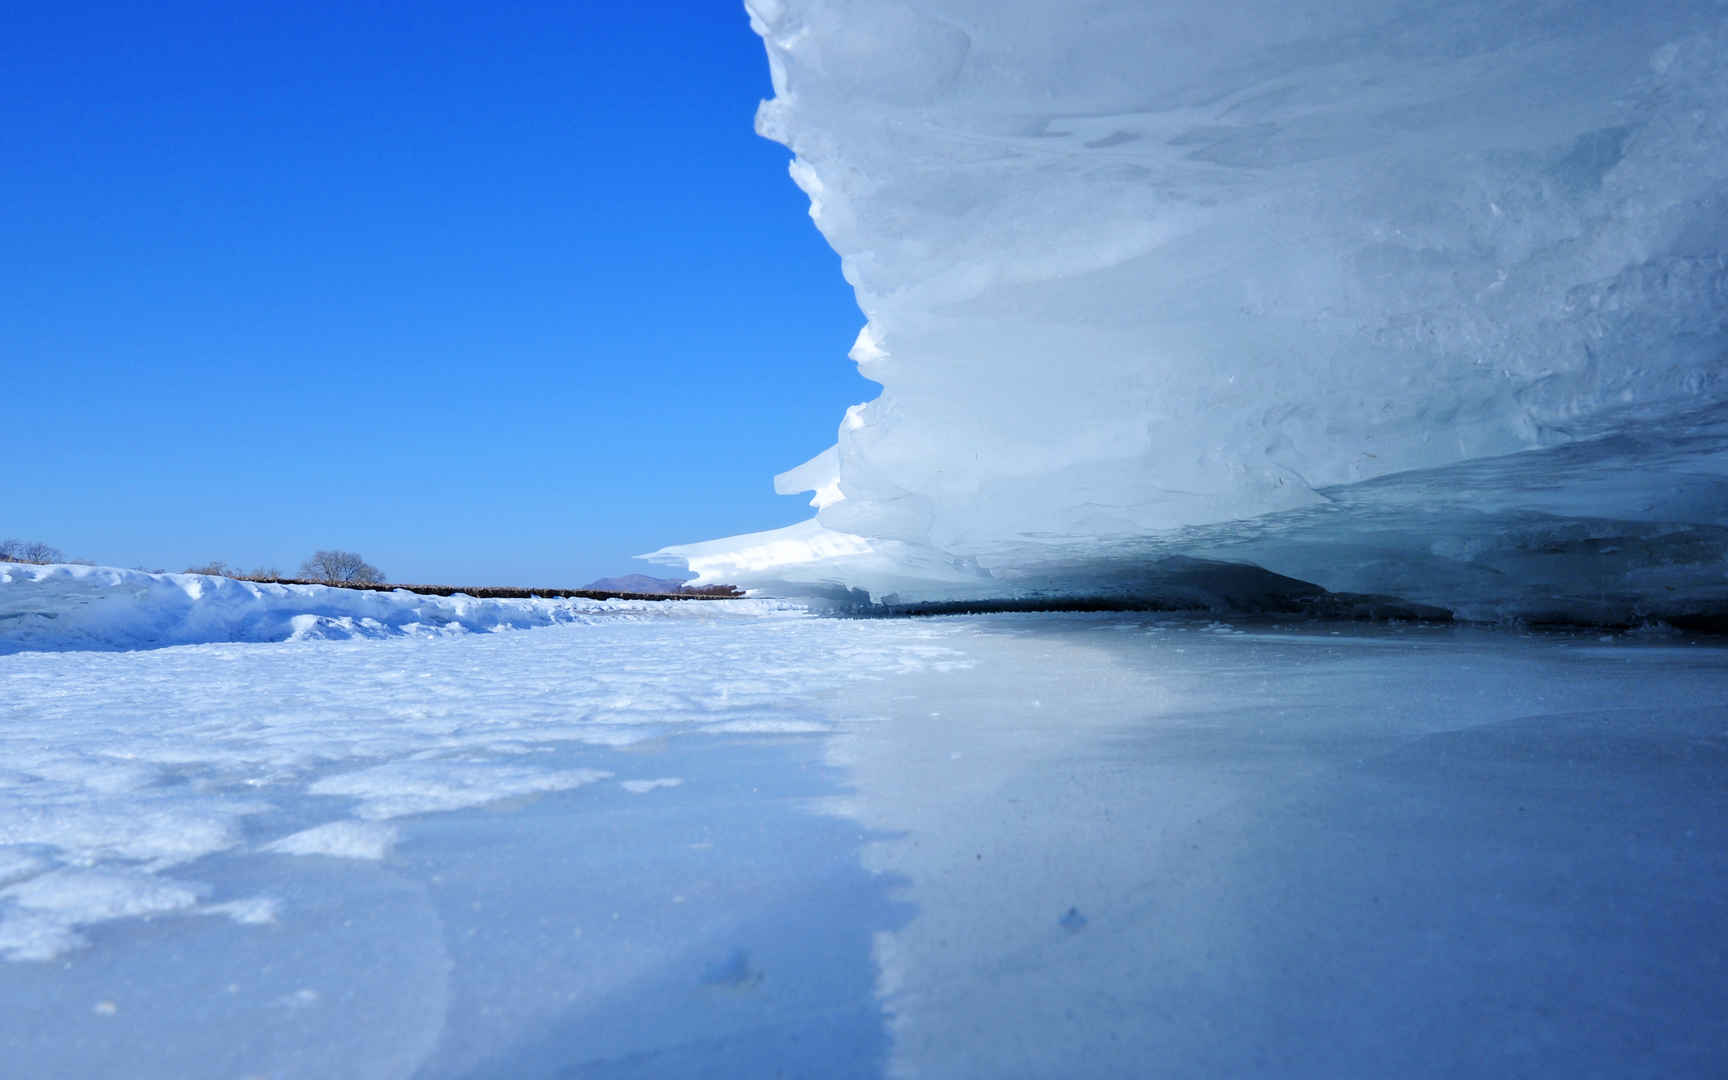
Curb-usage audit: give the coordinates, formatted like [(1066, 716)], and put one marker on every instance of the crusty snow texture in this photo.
[(118, 770)]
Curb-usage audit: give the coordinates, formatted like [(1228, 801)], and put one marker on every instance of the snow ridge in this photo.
[(101, 607)]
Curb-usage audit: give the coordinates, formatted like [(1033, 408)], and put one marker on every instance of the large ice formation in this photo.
[(1427, 298)]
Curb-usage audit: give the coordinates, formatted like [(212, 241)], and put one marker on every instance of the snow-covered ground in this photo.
[(747, 842)]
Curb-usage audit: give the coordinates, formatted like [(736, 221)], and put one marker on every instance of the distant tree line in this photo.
[(348, 569), (218, 568), (30, 551), (331, 567)]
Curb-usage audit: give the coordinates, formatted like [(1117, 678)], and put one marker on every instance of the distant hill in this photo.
[(638, 583)]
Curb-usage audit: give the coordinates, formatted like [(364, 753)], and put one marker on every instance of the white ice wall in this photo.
[(1130, 267)]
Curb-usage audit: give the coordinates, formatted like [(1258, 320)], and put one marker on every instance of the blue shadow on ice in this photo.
[(718, 928)]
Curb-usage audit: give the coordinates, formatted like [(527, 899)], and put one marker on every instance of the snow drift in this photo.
[(99, 607), (1194, 279)]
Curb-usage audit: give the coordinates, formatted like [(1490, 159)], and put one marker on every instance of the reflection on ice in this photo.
[(1413, 853)]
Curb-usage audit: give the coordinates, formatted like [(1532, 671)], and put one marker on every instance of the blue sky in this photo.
[(489, 293)]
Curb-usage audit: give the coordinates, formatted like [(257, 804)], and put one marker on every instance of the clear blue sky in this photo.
[(487, 292)]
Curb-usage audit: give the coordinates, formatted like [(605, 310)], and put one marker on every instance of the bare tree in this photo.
[(38, 552), (340, 568), (29, 551), (215, 567)]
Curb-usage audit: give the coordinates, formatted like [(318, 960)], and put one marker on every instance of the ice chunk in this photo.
[(1132, 269)]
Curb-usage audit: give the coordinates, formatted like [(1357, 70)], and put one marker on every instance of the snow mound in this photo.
[(99, 607), (340, 839), (1132, 269)]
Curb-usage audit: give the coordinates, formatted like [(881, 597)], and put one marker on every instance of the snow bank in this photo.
[(1132, 268), (99, 607)]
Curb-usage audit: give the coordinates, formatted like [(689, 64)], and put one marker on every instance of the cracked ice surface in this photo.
[(1133, 269), (749, 844)]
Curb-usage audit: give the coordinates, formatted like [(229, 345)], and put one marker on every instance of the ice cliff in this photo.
[(1419, 298)]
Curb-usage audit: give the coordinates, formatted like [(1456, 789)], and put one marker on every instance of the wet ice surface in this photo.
[(1013, 845)]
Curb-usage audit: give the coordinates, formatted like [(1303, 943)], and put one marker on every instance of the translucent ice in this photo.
[(1131, 269)]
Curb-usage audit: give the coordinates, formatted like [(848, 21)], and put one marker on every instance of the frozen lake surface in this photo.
[(760, 844)]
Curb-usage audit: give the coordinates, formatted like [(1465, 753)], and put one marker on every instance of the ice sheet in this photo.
[(1012, 845)]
